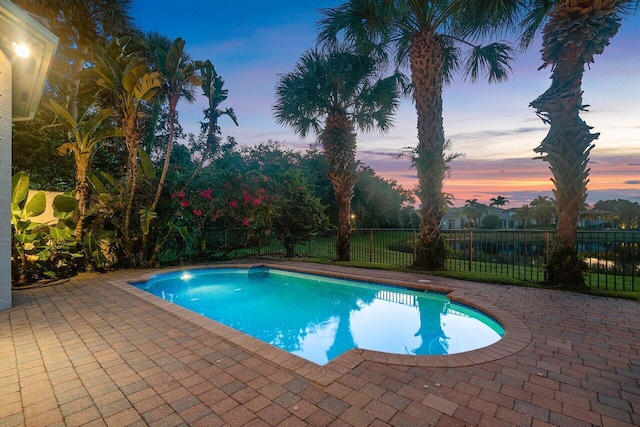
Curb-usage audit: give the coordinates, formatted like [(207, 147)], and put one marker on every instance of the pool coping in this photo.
[(517, 335)]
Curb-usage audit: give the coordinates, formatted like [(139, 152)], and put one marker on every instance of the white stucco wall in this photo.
[(5, 182)]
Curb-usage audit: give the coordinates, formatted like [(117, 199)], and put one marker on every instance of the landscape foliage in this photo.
[(141, 193)]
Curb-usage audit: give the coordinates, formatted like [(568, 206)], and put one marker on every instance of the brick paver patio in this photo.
[(94, 351)]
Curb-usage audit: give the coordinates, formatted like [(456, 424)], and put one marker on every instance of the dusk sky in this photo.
[(252, 42)]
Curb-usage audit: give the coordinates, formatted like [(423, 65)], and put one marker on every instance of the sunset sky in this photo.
[(252, 42)]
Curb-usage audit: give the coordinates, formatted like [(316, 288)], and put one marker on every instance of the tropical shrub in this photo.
[(491, 222), (249, 208), (41, 250)]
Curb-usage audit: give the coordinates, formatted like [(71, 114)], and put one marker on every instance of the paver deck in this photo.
[(92, 352)]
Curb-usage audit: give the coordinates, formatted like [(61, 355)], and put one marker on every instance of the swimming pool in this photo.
[(319, 318)]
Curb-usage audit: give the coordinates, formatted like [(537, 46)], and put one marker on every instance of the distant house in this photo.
[(595, 218), (455, 220)]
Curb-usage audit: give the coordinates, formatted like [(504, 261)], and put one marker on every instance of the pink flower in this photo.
[(247, 198), (233, 203), (256, 202), (245, 222), (197, 212), (206, 194), (184, 203)]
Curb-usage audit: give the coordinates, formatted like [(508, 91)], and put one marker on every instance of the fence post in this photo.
[(415, 246), (470, 248), (370, 245), (546, 253)]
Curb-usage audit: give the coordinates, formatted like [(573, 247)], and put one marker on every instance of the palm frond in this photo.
[(452, 60), (362, 24), (487, 18), (533, 20), (492, 60), (335, 80)]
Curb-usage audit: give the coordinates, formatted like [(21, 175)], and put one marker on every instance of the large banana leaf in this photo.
[(132, 73), (147, 170), (147, 86), (60, 233), (63, 206), (19, 187), (146, 216), (36, 206)]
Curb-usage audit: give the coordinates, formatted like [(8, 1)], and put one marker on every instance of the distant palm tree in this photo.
[(542, 210), (574, 32), (332, 93), (473, 211), (524, 214), (213, 89), (426, 35), (498, 201)]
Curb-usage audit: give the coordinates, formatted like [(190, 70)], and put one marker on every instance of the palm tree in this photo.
[(543, 210), (84, 138), (428, 35), (332, 93), (125, 75), (524, 214), (498, 201), (473, 211), (212, 88), (575, 31), (178, 83)]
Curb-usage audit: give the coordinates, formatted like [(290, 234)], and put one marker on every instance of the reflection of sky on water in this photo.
[(317, 340), (320, 318), (395, 327)]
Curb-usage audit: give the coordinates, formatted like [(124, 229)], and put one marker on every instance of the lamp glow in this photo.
[(22, 50)]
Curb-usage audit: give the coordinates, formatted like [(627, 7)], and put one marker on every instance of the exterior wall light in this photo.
[(21, 49)]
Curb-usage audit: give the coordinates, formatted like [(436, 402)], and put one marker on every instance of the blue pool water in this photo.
[(319, 318)]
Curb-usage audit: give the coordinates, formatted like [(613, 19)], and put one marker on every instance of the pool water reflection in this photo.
[(319, 318)]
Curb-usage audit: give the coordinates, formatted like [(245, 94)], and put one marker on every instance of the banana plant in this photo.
[(124, 73), (25, 231), (84, 137), (40, 248)]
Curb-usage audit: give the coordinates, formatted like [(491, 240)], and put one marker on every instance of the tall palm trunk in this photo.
[(131, 142), (576, 31), (82, 191), (171, 117), (426, 55), (74, 83), (339, 144)]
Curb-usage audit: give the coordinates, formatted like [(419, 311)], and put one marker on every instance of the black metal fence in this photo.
[(612, 257)]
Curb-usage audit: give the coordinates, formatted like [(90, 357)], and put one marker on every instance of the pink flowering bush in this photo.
[(251, 209)]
